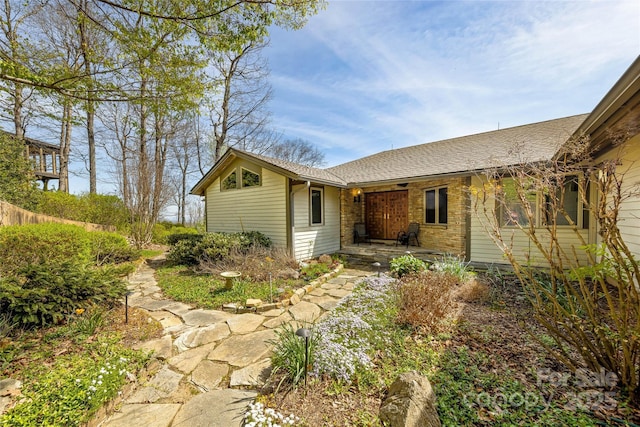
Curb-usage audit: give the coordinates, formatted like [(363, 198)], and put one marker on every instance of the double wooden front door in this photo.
[(386, 213)]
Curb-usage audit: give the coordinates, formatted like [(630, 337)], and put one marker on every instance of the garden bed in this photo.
[(268, 280), (485, 368)]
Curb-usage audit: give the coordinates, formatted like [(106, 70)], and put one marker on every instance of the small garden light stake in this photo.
[(377, 266), (305, 333)]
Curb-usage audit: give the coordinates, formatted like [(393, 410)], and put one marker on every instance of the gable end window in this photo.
[(250, 178), (240, 178), (229, 182), (316, 206), (436, 205)]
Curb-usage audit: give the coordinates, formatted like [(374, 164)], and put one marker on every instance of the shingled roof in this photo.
[(517, 145)]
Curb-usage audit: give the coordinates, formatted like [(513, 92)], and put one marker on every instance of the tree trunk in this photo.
[(65, 145)]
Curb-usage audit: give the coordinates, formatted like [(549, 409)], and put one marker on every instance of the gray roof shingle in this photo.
[(517, 145), (510, 146)]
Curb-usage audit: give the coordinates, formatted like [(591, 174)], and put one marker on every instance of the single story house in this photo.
[(312, 211)]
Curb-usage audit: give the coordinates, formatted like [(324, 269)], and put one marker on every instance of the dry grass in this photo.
[(257, 263), (427, 299)]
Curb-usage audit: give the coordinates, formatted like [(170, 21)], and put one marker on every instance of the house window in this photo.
[(249, 178), (436, 205), (229, 182), (566, 203), (316, 205), (513, 211), (520, 203)]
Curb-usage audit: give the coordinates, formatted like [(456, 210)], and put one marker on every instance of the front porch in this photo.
[(383, 251)]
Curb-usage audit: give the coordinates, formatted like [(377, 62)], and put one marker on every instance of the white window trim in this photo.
[(311, 190)]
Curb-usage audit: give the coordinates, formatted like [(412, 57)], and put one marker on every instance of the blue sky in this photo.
[(367, 76)]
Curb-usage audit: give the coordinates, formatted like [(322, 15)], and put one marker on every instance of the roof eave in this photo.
[(618, 95)]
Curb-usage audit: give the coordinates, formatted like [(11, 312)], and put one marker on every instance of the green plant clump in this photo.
[(102, 209), (406, 264), (46, 294), (42, 244), (314, 270), (455, 266), (111, 248), (71, 391), (214, 246)]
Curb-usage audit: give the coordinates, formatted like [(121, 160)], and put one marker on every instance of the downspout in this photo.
[(292, 218)]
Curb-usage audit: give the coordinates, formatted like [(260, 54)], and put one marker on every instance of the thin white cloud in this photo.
[(363, 76)]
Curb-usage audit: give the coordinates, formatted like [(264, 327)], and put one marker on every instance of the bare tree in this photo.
[(588, 299), (298, 151), (238, 116)]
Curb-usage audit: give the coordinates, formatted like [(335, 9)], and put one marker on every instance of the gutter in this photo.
[(292, 217)]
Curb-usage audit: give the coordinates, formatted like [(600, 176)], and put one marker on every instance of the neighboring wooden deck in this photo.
[(45, 159)]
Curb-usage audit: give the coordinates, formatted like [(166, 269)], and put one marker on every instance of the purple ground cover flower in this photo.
[(345, 338)]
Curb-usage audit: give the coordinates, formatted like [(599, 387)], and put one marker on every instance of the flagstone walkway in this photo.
[(209, 360)]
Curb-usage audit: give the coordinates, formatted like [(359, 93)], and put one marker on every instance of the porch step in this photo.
[(365, 254)]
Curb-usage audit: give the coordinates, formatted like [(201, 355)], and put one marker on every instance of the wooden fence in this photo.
[(13, 215)]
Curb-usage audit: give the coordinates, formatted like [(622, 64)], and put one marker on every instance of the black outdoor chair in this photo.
[(404, 237), (360, 233)]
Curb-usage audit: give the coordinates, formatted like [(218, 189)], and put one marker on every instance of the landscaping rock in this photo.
[(253, 302), (289, 273), (244, 323), (201, 336), (204, 317), (9, 389), (208, 375), (277, 321), (273, 313), (230, 308), (305, 312), (253, 375), (243, 350), (163, 384), (295, 299), (327, 303), (188, 360), (410, 402), (144, 415), (161, 347), (218, 408)]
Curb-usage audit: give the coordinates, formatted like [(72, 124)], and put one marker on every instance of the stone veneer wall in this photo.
[(449, 238)]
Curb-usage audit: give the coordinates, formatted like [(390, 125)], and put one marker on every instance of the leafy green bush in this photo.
[(194, 237), (453, 265), (17, 180), (42, 244), (95, 208), (214, 246), (314, 270), (39, 295), (163, 232), (111, 248), (406, 264)]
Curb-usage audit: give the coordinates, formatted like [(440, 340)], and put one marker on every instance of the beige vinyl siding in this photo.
[(484, 249), (262, 208), (629, 169), (314, 240)]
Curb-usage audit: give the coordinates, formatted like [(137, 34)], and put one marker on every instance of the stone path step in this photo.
[(208, 358)]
